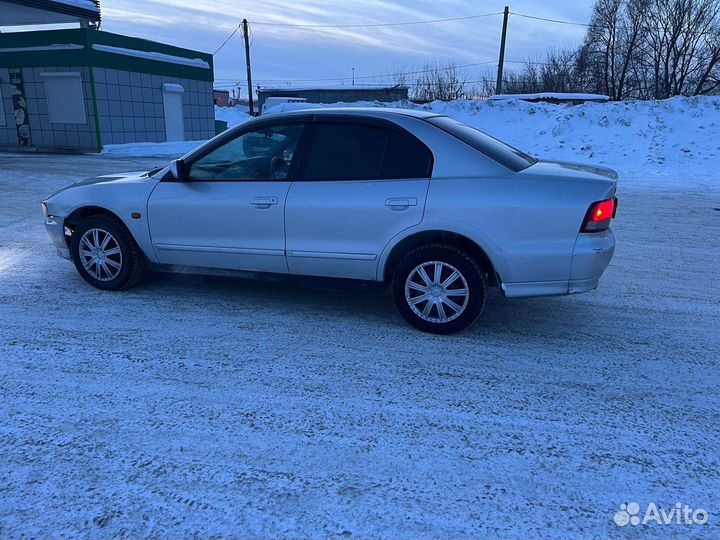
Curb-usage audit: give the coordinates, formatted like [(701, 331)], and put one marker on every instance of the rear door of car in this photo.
[(361, 181)]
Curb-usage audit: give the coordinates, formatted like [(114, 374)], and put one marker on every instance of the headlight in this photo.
[(45, 210)]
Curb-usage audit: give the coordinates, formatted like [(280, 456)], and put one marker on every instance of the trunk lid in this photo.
[(568, 168), (575, 172)]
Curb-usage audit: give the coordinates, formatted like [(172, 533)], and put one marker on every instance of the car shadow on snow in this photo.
[(533, 319)]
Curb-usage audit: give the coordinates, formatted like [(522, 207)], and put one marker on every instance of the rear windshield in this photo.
[(506, 155)]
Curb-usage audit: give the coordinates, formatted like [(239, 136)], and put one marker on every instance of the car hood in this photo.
[(134, 176)]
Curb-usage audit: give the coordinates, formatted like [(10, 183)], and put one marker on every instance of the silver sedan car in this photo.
[(431, 207)]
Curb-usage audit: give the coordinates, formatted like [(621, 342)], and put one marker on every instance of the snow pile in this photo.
[(550, 96), (232, 115), (633, 136), (148, 149), (649, 141), (642, 138)]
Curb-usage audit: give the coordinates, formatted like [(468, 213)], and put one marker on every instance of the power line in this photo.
[(232, 82), (226, 40), (376, 85), (447, 68), (375, 25), (405, 23), (558, 21)]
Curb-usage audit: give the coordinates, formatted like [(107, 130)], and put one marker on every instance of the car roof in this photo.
[(374, 112)]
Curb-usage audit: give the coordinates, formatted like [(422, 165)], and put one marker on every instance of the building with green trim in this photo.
[(79, 89)]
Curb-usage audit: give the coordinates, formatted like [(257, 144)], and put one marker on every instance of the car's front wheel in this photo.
[(439, 289), (105, 254)]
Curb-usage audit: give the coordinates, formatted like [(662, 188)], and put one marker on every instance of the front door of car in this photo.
[(360, 183), (229, 213)]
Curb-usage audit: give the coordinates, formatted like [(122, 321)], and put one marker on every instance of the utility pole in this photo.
[(353, 76), (498, 85), (246, 37)]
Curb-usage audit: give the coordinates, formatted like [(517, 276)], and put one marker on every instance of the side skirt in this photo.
[(309, 281)]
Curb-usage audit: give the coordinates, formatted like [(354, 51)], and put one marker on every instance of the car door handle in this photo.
[(263, 202), (401, 203)]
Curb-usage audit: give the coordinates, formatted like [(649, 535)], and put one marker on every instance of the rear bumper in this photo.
[(54, 228), (591, 256)]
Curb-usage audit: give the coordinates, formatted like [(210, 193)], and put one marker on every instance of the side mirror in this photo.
[(179, 170)]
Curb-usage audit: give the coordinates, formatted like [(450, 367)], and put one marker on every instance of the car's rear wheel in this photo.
[(105, 254), (439, 289)]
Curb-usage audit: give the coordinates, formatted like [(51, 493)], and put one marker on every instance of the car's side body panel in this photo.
[(527, 222), (339, 228), (121, 195), (343, 228), (533, 224), (220, 224)]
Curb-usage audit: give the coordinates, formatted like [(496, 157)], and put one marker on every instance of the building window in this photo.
[(65, 100)]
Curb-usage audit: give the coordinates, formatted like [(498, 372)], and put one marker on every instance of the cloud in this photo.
[(280, 52)]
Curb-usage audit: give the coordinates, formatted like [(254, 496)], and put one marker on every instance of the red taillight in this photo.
[(599, 215)]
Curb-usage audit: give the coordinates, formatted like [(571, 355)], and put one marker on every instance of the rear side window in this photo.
[(406, 157), (354, 151), (506, 155)]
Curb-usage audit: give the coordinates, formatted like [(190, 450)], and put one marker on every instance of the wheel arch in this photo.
[(435, 236), (139, 260), (86, 211)]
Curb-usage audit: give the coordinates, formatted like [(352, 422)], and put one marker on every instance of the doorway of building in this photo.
[(172, 102)]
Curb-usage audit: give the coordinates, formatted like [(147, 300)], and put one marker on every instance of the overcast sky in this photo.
[(293, 53)]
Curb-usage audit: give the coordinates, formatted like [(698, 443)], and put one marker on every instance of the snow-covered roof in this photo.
[(329, 88), (150, 55), (85, 4), (22, 12), (551, 96)]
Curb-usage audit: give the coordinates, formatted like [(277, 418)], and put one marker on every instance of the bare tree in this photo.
[(440, 81), (642, 49), (685, 34), (556, 72), (653, 48), (397, 76), (708, 80), (613, 43)]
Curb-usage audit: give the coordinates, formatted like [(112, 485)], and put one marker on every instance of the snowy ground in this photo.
[(198, 407)]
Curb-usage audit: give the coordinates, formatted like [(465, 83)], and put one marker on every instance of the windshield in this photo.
[(506, 155)]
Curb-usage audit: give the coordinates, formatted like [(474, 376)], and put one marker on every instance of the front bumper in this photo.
[(54, 228)]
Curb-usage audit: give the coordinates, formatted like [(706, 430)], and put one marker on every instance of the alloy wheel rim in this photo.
[(437, 292), (100, 254)]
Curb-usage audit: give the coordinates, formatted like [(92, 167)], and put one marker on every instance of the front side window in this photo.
[(261, 154), (354, 151)]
